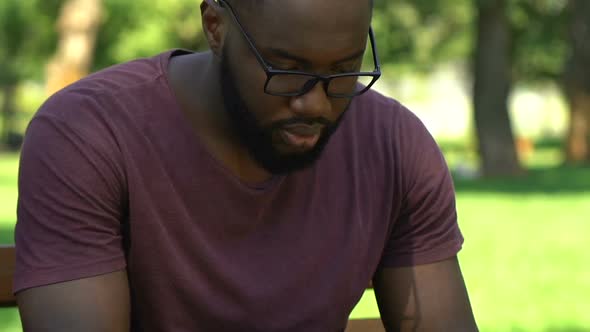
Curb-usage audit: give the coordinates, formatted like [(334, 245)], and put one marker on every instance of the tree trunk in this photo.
[(492, 84), (78, 25), (8, 113), (577, 82)]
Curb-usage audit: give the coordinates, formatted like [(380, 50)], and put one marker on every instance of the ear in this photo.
[(214, 25)]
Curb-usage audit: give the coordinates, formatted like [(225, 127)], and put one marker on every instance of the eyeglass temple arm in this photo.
[(246, 35), (374, 45)]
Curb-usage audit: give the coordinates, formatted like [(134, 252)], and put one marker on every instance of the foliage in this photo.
[(142, 28), (27, 38), (416, 35), (540, 44), (413, 35)]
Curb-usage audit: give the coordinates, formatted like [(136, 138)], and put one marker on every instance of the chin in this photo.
[(292, 151)]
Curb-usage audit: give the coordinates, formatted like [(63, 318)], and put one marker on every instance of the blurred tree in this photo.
[(419, 35), (77, 25), (415, 36), (26, 38), (577, 81), (539, 45), (141, 28), (492, 84)]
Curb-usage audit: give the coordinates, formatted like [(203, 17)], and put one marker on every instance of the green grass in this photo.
[(525, 259), (8, 196), (9, 320)]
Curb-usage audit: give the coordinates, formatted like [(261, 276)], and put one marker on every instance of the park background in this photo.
[(503, 85)]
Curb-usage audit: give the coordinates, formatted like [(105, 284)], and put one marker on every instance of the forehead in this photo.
[(309, 26)]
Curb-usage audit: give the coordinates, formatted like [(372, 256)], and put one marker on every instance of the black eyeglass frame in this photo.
[(314, 78)]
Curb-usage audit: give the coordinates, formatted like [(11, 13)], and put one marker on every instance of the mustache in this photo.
[(318, 121)]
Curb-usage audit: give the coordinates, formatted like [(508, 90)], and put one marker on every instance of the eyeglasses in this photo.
[(288, 83)]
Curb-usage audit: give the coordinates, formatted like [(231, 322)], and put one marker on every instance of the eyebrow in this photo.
[(284, 54)]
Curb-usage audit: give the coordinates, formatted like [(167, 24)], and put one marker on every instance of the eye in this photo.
[(345, 70), (283, 66)]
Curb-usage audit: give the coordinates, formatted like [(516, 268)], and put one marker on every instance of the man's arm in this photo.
[(97, 304), (430, 297), (72, 192)]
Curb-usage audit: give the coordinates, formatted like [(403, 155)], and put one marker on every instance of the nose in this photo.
[(315, 103)]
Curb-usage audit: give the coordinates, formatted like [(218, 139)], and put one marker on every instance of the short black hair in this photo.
[(250, 4), (246, 3)]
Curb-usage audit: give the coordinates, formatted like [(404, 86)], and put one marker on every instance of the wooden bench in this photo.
[(6, 272), (7, 262)]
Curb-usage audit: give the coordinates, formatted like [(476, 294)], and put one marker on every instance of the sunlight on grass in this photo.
[(10, 320), (367, 307), (8, 195), (525, 260)]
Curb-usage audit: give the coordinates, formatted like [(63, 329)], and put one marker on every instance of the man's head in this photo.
[(319, 37)]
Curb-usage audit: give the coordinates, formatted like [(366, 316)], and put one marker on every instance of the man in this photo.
[(255, 187)]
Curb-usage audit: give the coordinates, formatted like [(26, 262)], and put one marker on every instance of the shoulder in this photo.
[(122, 77), (101, 91), (385, 123), (375, 112), (386, 133), (111, 98)]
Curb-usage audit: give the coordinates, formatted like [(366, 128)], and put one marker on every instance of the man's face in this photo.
[(284, 134)]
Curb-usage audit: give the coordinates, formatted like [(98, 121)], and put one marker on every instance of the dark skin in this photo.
[(283, 47), (429, 297)]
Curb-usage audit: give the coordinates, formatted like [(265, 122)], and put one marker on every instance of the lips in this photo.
[(301, 136)]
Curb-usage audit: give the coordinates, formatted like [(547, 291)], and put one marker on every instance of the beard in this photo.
[(258, 139)]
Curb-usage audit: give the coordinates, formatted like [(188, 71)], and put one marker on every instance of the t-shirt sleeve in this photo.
[(70, 207), (426, 229)]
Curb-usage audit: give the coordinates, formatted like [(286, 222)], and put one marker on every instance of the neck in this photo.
[(196, 81), (209, 93)]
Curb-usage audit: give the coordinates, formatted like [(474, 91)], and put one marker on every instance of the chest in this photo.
[(245, 256), (293, 255)]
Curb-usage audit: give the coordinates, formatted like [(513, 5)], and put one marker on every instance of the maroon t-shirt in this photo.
[(207, 252)]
